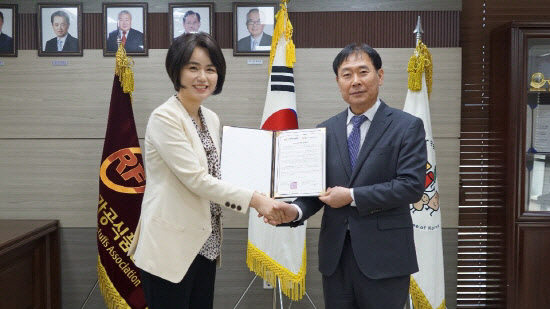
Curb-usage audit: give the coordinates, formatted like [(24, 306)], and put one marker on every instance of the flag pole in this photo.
[(418, 34)]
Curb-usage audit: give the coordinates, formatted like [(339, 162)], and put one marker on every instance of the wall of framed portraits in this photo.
[(53, 117)]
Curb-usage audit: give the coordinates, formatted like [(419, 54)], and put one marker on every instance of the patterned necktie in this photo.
[(123, 38), (255, 43), (354, 139), (59, 45)]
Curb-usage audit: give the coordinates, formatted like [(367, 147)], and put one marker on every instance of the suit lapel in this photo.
[(191, 133), (377, 128), (340, 130)]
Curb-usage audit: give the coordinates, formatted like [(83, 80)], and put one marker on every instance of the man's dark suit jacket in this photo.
[(71, 44), (134, 41), (6, 43), (244, 43), (389, 175)]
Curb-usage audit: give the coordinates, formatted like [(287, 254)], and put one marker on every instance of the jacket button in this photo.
[(239, 208), (227, 204), (233, 206)]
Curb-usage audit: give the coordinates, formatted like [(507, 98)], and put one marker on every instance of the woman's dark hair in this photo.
[(180, 53), (355, 48)]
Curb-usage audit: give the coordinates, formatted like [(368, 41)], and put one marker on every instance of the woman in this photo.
[(178, 239)]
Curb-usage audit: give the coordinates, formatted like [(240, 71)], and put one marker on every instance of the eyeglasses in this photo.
[(253, 22)]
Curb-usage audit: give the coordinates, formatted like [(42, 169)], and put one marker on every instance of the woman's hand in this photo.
[(267, 207)]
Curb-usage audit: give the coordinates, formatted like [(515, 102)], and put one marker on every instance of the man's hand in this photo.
[(266, 208), (288, 212), (337, 197)]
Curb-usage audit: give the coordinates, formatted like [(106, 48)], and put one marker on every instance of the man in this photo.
[(63, 42), (131, 38), (191, 22), (255, 26), (6, 42), (375, 167)]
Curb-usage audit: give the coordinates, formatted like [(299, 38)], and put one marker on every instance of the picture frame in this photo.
[(8, 28), (59, 29), (126, 21), (253, 22), (191, 17)]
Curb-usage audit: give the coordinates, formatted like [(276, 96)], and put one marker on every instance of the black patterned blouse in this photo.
[(212, 246)]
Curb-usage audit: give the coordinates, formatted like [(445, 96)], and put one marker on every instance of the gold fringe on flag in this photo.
[(293, 286), (420, 62), (123, 70), (419, 300), (283, 27), (112, 298)]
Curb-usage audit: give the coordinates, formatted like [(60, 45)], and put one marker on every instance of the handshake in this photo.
[(274, 212), (277, 212)]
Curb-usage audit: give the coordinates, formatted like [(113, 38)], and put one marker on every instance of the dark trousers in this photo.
[(348, 288), (194, 291)]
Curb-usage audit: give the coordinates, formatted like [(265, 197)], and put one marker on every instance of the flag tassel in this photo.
[(283, 27), (419, 299), (292, 285), (112, 297), (123, 69), (420, 62)]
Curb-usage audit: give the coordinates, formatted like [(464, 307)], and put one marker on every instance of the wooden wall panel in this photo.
[(390, 29), (28, 34), (42, 101), (92, 28), (481, 274), (378, 29), (55, 132), (159, 6)]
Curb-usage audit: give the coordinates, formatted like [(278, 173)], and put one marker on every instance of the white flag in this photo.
[(427, 286), (279, 252)]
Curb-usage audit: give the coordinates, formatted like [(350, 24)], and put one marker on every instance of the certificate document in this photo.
[(279, 163)]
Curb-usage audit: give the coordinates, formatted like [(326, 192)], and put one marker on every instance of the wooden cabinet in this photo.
[(520, 151), (29, 264)]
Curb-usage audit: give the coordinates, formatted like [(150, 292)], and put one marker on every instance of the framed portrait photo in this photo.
[(60, 29), (191, 17), (253, 25), (8, 26), (125, 23)]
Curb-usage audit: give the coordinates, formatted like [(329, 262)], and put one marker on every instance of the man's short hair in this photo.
[(355, 48), (61, 14), (124, 12), (191, 13), (180, 53), (1, 16)]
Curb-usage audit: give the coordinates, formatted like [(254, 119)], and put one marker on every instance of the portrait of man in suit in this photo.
[(191, 21), (258, 40), (132, 39), (375, 167), (64, 41), (6, 42)]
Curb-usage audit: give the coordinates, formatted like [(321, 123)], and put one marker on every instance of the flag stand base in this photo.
[(274, 296)]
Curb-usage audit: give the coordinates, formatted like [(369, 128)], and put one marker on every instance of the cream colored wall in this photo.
[(53, 120)]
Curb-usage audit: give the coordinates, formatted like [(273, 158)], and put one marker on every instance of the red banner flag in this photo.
[(121, 187)]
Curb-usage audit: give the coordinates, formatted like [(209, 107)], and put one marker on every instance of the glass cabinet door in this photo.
[(538, 125)]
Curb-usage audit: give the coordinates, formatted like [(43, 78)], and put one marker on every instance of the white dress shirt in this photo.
[(258, 39), (364, 129)]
